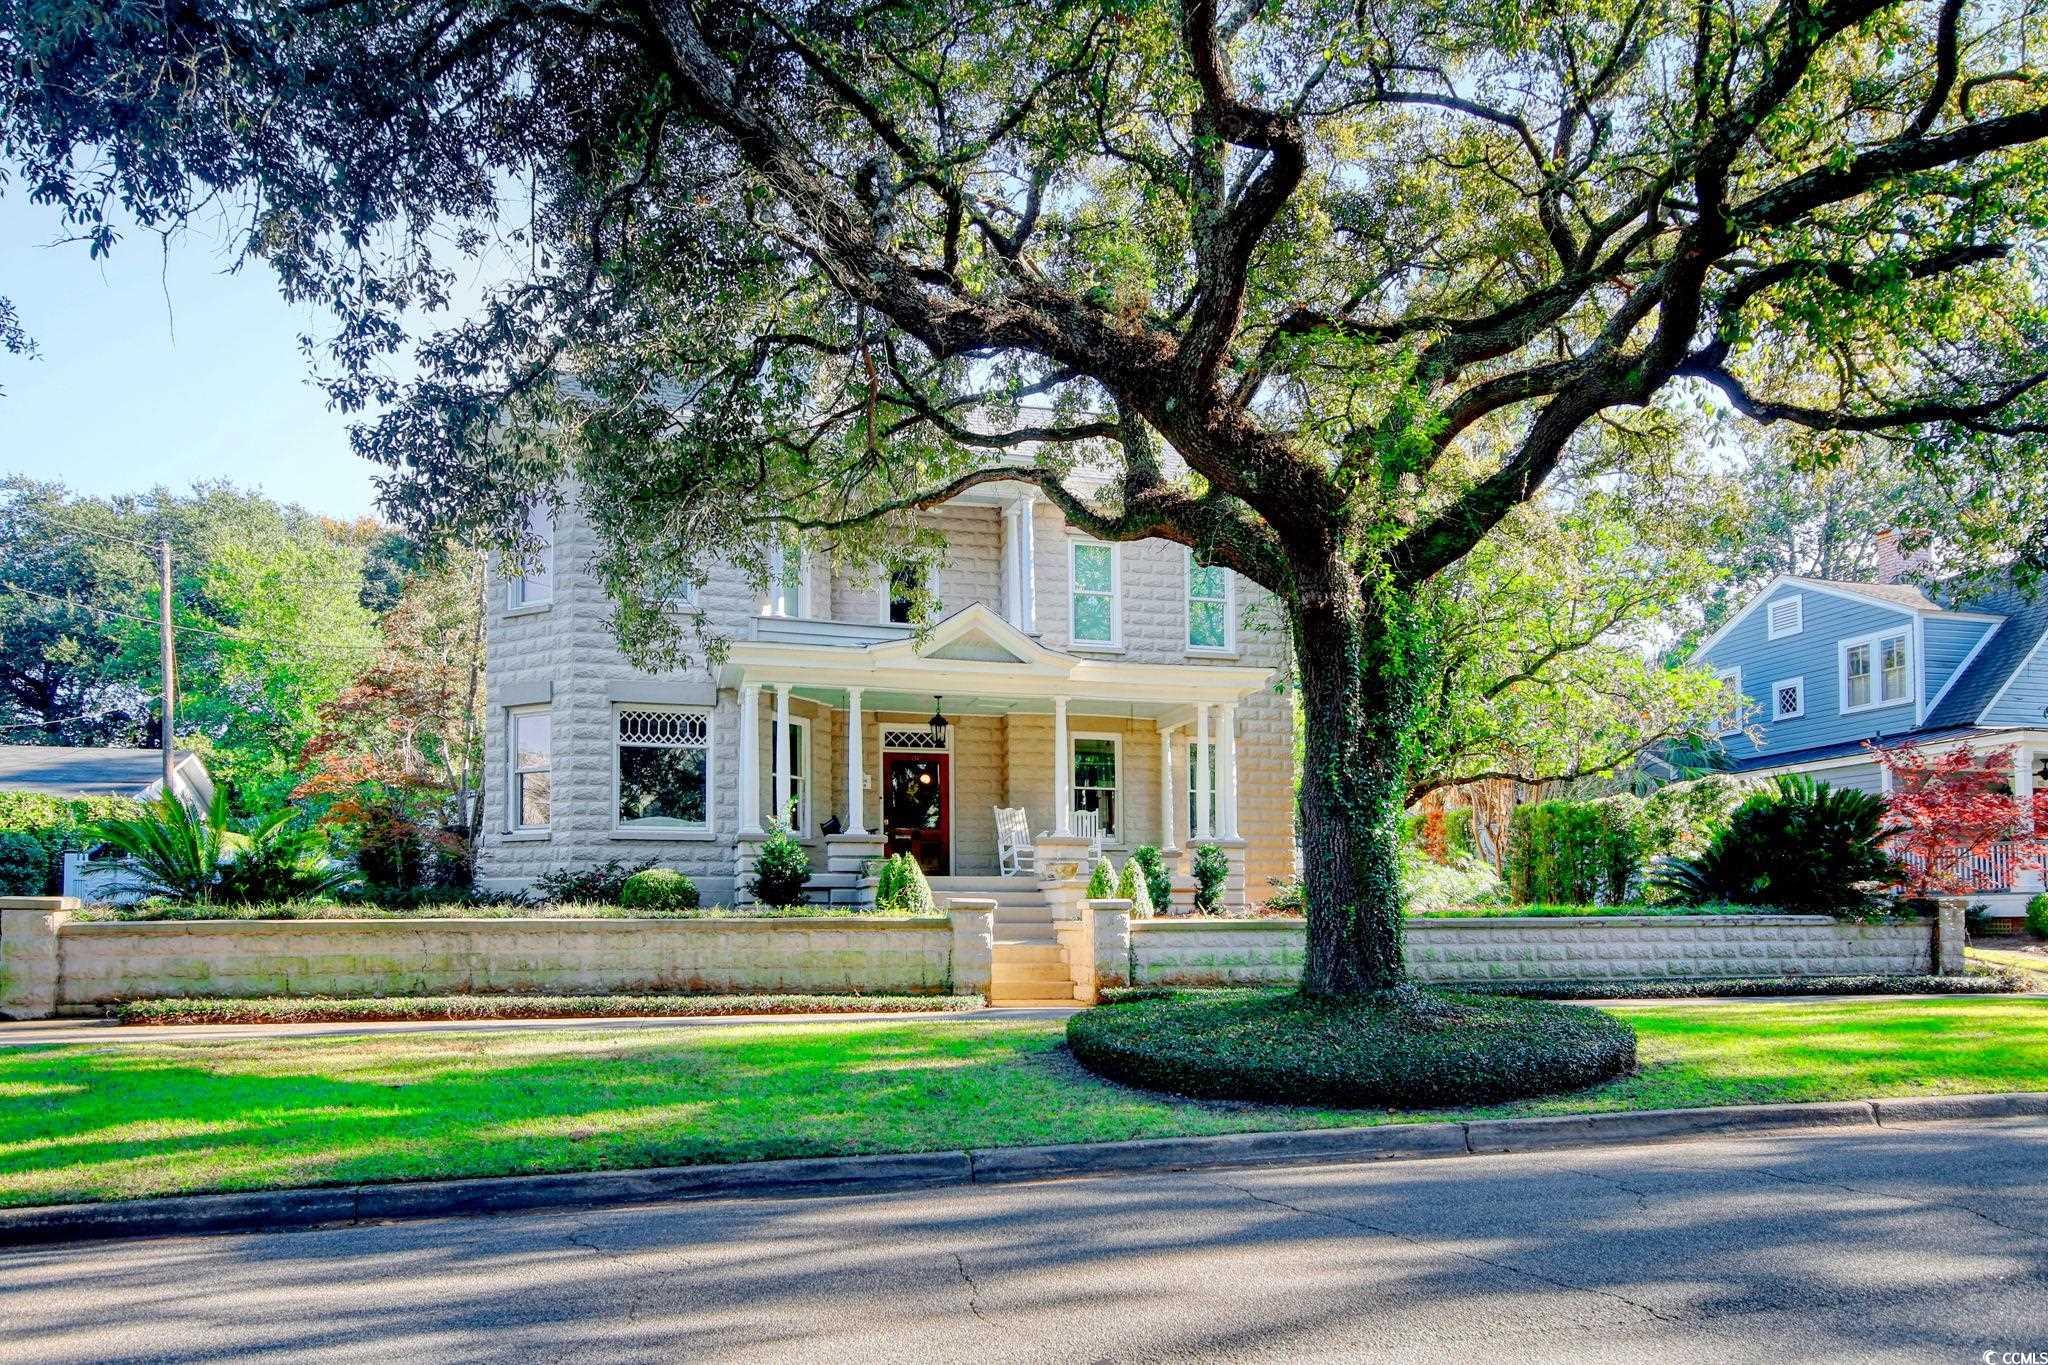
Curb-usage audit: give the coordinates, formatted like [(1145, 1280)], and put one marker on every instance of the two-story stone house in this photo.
[(1123, 680)]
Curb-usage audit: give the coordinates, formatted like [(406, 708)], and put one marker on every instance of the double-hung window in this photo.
[(1212, 623), (664, 768), (1095, 779), (789, 582), (535, 585), (1097, 593), (799, 813), (900, 603), (530, 743), (1194, 789), (1877, 670), (1729, 721)]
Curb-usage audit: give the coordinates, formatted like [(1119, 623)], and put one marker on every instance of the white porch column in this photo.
[(750, 758), (782, 780), (1166, 792), (1226, 770), (856, 798), (1204, 761), (1062, 771), (1027, 562)]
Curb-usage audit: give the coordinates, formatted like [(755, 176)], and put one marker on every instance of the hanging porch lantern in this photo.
[(938, 722)]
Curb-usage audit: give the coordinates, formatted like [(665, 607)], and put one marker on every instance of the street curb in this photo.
[(346, 1205)]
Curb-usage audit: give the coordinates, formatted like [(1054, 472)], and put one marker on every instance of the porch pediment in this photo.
[(976, 634)]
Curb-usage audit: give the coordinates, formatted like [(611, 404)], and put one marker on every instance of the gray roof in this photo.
[(1901, 594), (2026, 619), (61, 770), (1849, 748)]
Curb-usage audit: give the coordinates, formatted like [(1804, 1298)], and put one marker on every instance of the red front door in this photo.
[(915, 817)]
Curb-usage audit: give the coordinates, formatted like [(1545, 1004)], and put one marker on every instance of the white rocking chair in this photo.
[(1016, 854), (1088, 825)]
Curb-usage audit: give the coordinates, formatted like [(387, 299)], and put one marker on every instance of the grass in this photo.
[(105, 1121)]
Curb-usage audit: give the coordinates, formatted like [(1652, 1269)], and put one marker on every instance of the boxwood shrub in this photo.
[(658, 888), (1404, 1049)]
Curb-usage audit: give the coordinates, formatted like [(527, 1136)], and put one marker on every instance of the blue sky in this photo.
[(163, 370)]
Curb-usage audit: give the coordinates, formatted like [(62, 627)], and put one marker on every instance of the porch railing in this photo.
[(1991, 868)]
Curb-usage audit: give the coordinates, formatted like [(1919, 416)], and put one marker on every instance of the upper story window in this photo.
[(1788, 699), (531, 745), (1877, 670), (900, 604), (789, 582), (1729, 721), (664, 768), (1212, 615), (537, 585), (1097, 593), (1786, 616)]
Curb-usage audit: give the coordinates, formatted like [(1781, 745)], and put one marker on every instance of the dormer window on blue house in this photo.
[(1876, 671)]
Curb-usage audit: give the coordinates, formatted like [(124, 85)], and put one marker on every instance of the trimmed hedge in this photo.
[(320, 1010), (658, 888), (1404, 1049), (1573, 850)]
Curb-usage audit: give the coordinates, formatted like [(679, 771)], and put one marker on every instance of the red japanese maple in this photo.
[(1961, 827)]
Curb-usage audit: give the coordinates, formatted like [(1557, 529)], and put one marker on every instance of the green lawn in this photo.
[(123, 1119)]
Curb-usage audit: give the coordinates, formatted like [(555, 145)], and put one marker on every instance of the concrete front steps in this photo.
[(1030, 967)]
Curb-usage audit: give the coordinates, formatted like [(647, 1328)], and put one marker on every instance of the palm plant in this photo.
[(175, 852), (1801, 846), (203, 857)]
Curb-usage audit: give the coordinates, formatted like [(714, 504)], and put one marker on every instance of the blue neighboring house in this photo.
[(1825, 669)]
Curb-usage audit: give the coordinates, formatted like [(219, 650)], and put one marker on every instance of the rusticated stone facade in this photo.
[(563, 656)]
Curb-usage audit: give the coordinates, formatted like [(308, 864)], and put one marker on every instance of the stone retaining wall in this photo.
[(99, 964), (1590, 948)]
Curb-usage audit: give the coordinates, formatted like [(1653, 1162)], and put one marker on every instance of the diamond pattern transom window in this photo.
[(918, 738), (668, 729)]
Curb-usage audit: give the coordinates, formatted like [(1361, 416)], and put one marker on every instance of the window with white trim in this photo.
[(1195, 791), (1096, 592), (536, 585), (1877, 670), (530, 760), (800, 777), (1786, 616), (899, 600), (1788, 699), (664, 768), (1729, 721), (789, 582), (1212, 614), (1095, 778)]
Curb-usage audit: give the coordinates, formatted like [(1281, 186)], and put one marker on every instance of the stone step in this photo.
[(982, 886), (1041, 978), (1022, 950)]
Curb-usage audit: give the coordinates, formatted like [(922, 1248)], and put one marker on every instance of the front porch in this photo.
[(856, 766)]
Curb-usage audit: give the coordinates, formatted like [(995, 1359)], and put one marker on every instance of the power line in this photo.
[(257, 640), (81, 530)]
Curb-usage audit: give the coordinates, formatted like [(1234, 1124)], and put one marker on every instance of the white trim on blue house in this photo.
[(1873, 639), (1956, 674), (2011, 678), (1798, 685), (1848, 593)]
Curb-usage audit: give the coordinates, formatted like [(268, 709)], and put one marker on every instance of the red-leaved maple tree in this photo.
[(1962, 828)]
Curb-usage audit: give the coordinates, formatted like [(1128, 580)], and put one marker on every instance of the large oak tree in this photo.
[(1377, 273)]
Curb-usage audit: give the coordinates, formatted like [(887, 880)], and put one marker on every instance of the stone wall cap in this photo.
[(1565, 922), (970, 903), (1109, 903), (521, 924), (1186, 923), (42, 903)]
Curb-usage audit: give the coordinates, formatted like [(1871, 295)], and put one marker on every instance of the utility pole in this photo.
[(170, 656)]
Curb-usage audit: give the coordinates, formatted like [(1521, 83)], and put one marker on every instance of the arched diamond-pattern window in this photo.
[(685, 729)]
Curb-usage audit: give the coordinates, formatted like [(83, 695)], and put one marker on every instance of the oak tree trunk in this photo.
[(1359, 658)]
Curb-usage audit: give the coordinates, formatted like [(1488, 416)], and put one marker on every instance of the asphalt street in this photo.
[(1924, 1243)]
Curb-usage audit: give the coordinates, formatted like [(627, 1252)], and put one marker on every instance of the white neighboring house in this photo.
[(69, 772), (1127, 681)]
